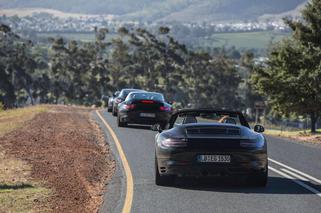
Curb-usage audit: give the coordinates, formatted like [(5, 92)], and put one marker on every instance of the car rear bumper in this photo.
[(242, 163), (135, 118)]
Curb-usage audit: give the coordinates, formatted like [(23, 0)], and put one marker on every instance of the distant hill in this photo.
[(166, 10)]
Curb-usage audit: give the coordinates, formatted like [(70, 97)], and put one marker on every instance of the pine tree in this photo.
[(292, 78)]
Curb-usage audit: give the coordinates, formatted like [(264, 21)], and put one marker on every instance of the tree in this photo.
[(291, 79), (16, 66)]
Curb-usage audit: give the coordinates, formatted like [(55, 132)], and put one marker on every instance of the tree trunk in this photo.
[(313, 122), (30, 96)]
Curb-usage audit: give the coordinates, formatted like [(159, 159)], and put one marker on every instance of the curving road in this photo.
[(294, 181)]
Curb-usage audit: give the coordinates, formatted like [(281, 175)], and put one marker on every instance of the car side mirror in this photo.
[(156, 127), (258, 128)]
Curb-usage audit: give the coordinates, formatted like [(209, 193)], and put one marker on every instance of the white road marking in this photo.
[(294, 174), (296, 181), (297, 171)]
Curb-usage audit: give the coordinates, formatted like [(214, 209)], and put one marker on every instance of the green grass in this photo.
[(258, 40)]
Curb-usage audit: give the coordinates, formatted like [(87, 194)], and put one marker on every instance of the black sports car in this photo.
[(111, 100), (210, 143), (146, 108), (120, 98)]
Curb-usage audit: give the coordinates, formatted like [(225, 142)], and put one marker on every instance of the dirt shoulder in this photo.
[(67, 154)]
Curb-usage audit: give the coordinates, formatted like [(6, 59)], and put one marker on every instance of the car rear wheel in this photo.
[(120, 123), (109, 109), (260, 179), (162, 180)]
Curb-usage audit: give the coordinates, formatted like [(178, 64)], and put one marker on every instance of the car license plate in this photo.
[(148, 115), (214, 158)]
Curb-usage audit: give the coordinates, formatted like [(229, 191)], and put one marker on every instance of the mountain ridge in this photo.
[(166, 10)]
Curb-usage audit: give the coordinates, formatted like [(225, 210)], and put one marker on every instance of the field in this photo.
[(247, 40)]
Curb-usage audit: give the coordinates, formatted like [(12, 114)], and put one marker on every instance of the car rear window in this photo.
[(146, 96), (205, 117)]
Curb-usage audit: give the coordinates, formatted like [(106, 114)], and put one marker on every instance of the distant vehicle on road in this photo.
[(210, 143), (145, 108), (111, 101), (120, 98)]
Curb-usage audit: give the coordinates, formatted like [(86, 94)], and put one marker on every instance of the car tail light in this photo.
[(130, 106), (164, 108), (118, 100), (174, 142), (147, 102)]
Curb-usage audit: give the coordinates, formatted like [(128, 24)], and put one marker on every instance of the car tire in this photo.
[(260, 180), (120, 123), (109, 109), (162, 180), (114, 113), (163, 125)]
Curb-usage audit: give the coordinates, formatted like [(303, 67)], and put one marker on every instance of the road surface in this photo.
[(294, 180)]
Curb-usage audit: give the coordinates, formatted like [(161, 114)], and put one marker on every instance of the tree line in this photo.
[(81, 72)]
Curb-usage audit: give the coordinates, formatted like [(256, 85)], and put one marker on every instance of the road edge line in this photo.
[(129, 177)]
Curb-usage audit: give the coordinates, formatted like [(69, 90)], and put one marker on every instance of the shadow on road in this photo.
[(276, 185), (143, 127)]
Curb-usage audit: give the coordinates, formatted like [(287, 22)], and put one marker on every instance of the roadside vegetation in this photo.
[(18, 191), (299, 135), (52, 158)]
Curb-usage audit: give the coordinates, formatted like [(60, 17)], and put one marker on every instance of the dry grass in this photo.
[(12, 119), (18, 192), (301, 135)]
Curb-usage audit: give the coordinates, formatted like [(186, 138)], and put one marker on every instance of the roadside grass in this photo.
[(22, 200), (13, 119), (18, 192), (301, 135), (289, 133)]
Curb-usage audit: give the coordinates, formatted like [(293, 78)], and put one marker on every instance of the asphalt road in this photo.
[(294, 180)]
